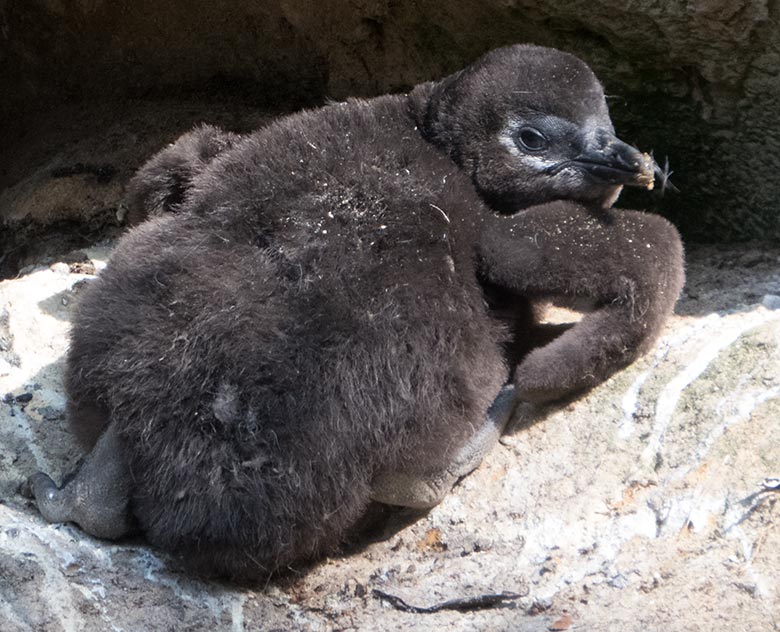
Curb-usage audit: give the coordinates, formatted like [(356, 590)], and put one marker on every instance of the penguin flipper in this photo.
[(627, 263)]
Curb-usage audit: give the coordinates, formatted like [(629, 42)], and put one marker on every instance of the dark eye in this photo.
[(532, 139)]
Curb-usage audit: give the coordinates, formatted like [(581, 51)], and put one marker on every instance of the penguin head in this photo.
[(530, 125)]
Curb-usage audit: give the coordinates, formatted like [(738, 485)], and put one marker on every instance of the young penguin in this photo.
[(308, 331)]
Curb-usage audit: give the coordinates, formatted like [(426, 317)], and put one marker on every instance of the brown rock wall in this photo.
[(697, 80)]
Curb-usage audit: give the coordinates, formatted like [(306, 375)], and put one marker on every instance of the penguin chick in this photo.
[(309, 327)]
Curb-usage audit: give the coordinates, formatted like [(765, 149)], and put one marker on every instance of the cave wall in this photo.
[(695, 80)]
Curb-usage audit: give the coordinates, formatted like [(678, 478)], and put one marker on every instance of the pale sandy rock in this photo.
[(650, 504)]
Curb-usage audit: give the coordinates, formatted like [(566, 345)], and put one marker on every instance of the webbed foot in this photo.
[(423, 490), (96, 496)]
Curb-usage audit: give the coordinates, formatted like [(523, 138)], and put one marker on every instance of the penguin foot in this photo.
[(424, 490), (96, 496)]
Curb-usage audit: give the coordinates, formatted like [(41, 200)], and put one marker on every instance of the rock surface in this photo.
[(651, 503), (697, 80), (63, 187)]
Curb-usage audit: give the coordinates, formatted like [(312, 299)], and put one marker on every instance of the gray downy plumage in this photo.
[(342, 295)]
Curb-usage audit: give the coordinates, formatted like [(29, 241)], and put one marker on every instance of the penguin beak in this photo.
[(608, 160)]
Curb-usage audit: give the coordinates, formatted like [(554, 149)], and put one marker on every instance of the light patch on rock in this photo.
[(559, 512)]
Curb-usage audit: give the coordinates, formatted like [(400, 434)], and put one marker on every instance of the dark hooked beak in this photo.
[(609, 160)]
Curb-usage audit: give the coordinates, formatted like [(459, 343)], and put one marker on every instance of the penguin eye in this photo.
[(532, 139)]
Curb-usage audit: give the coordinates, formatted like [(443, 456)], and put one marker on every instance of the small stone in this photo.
[(563, 623), (771, 301), (50, 413), (538, 606), (618, 581), (29, 269)]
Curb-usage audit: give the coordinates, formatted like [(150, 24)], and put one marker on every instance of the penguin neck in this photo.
[(421, 111), (426, 103)]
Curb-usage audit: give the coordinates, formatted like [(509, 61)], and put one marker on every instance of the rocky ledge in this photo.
[(650, 503)]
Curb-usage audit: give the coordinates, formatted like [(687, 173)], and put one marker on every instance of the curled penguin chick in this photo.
[(337, 302)]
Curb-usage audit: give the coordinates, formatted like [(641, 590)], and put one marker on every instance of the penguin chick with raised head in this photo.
[(309, 331)]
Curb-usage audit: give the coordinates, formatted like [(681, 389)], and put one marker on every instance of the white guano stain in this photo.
[(727, 333), (747, 401), (630, 398), (237, 613), (25, 429)]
